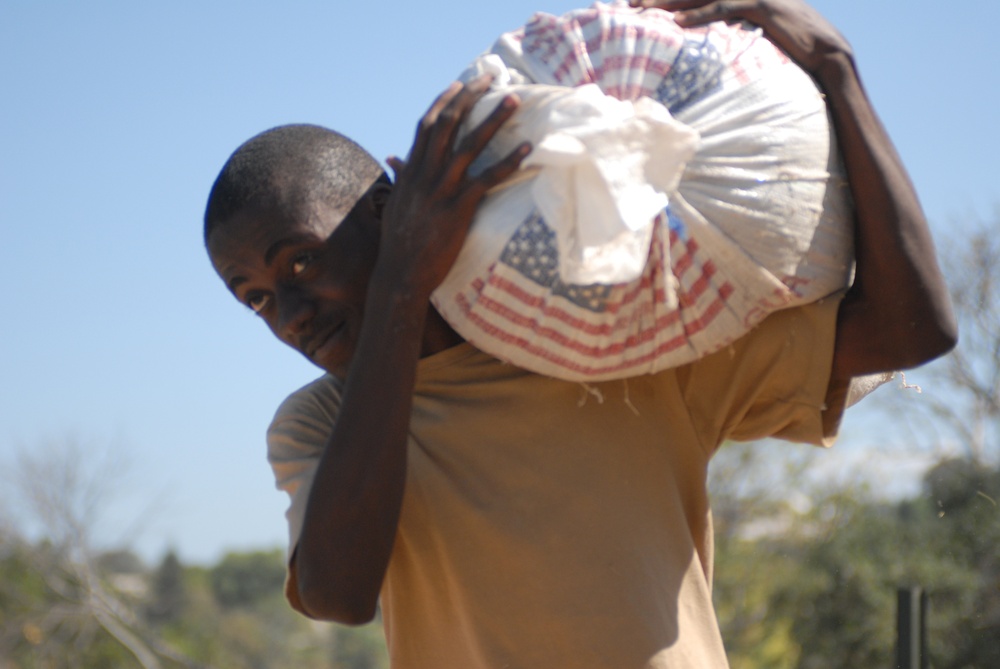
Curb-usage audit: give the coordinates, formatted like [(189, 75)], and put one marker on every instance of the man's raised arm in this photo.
[(354, 504), (897, 314)]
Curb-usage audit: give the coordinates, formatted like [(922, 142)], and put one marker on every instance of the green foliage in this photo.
[(231, 615), (964, 496), (243, 579), (168, 595), (756, 632), (250, 626), (821, 593), (810, 587), (41, 623), (359, 648)]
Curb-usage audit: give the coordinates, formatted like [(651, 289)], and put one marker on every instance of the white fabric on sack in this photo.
[(601, 168)]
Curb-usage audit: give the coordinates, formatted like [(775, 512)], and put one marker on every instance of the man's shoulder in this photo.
[(315, 402)]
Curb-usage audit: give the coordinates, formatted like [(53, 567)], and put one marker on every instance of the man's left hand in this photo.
[(808, 38)]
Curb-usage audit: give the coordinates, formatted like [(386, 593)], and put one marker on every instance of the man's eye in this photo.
[(257, 303), (300, 263)]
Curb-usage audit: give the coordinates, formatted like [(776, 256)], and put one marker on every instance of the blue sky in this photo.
[(117, 117)]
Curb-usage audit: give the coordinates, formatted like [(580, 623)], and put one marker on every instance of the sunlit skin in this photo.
[(303, 273)]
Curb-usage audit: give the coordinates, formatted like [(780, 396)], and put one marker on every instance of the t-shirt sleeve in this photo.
[(295, 440), (772, 382)]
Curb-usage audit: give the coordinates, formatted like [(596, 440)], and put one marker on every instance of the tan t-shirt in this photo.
[(549, 524)]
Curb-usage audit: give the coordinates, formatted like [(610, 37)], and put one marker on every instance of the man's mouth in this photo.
[(319, 341)]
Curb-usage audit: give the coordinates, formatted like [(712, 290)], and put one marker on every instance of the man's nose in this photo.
[(295, 310)]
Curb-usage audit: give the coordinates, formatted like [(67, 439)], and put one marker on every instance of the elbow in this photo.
[(336, 612), (918, 346), (336, 607), (943, 340), (932, 338), (921, 346), (325, 599), (932, 323), (869, 342), (889, 333)]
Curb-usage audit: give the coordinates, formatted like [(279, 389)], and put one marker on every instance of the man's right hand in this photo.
[(354, 504), (428, 214)]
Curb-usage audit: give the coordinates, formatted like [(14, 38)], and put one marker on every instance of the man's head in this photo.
[(289, 166), (292, 227)]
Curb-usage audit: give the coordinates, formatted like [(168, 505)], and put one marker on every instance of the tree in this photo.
[(244, 579), (73, 615), (961, 496), (966, 404), (65, 604), (816, 589), (359, 647), (169, 595)]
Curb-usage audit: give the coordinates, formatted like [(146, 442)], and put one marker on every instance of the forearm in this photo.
[(897, 313), (354, 505)]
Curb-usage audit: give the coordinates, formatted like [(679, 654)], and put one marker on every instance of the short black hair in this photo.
[(288, 166)]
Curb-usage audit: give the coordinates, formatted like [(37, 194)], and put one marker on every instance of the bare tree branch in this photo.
[(67, 489)]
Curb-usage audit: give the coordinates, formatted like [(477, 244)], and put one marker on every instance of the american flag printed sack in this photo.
[(759, 220)]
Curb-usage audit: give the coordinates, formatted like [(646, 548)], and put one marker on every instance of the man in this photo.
[(500, 522)]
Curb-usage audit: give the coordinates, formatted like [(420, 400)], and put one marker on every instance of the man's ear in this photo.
[(378, 196)]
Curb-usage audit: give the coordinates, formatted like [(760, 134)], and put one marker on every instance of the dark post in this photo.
[(911, 626)]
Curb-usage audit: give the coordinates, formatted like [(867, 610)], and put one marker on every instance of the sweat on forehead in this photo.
[(290, 166)]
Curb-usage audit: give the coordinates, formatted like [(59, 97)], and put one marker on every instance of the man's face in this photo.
[(305, 273)]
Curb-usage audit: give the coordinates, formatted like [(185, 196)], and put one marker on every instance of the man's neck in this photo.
[(438, 335)]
